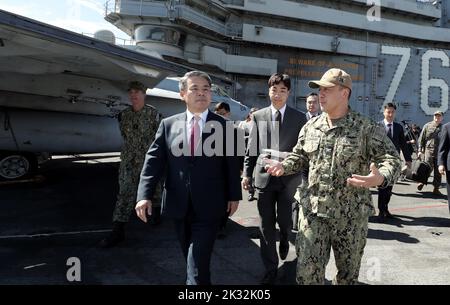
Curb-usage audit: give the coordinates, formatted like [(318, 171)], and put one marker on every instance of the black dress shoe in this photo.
[(387, 214), (269, 278), (251, 197), (381, 217), (283, 248)]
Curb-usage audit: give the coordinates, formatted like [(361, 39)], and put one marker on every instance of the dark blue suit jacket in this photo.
[(261, 138), (399, 139), (444, 147), (208, 182)]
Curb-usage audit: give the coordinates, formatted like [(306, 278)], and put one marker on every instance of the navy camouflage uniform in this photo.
[(332, 213), (428, 144), (138, 130)]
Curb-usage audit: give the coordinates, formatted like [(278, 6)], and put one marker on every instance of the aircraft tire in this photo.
[(17, 165)]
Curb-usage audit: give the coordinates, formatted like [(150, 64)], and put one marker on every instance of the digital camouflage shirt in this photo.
[(138, 130), (429, 138), (333, 155)]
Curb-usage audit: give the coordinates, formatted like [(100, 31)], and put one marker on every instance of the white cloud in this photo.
[(93, 5), (27, 10), (67, 14)]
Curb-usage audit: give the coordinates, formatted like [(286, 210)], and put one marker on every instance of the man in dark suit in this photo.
[(396, 133), (202, 182), (275, 127), (312, 105), (444, 156)]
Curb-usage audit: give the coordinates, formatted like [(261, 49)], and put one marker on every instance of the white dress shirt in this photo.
[(274, 110), (190, 121)]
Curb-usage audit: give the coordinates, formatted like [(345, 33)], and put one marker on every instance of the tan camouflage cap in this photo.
[(438, 113), (331, 78)]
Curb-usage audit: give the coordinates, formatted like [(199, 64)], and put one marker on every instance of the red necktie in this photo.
[(195, 134)]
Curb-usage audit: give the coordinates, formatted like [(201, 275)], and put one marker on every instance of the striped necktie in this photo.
[(195, 133)]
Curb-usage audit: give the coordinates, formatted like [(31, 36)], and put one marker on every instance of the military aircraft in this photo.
[(61, 92)]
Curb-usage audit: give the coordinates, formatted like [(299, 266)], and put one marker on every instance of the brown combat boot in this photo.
[(436, 191)]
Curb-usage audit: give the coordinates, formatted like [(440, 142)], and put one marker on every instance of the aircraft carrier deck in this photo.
[(45, 223)]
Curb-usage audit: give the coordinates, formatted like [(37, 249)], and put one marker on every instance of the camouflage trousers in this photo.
[(431, 159), (126, 199), (316, 236)]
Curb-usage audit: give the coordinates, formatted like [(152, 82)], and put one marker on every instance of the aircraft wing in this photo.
[(41, 59)]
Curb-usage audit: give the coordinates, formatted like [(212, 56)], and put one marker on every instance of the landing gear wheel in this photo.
[(15, 166)]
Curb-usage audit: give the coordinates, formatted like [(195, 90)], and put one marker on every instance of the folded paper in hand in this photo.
[(275, 154)]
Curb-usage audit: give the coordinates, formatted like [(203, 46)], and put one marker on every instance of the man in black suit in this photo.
[(275, 127), (202, 182), (444, 156), (396, 133), (312, 105)]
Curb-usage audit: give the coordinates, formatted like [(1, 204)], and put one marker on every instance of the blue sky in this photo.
[(80, 16)]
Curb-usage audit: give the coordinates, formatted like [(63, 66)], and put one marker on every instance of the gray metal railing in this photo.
[(174, 9), (111, 6), (234, 30)]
